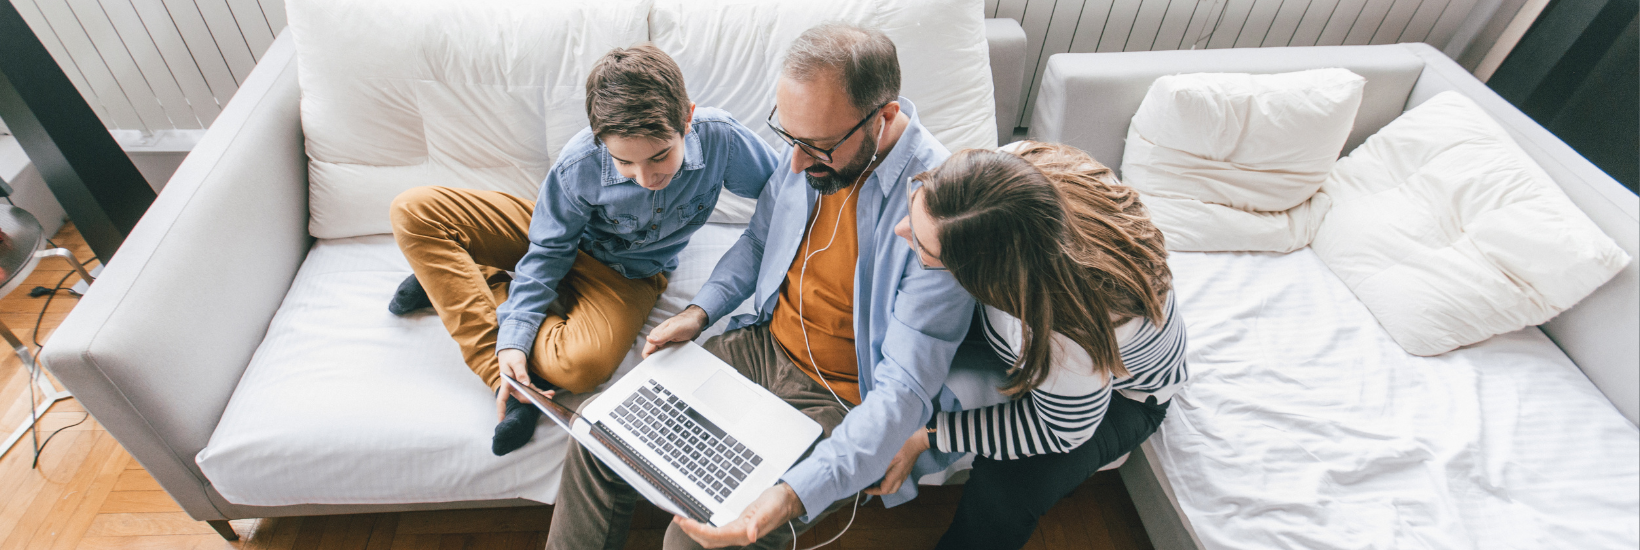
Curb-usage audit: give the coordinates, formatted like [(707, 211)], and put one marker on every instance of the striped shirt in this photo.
[(1064, 411)]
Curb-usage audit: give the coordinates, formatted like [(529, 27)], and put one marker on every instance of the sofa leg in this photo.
[(223, 528)]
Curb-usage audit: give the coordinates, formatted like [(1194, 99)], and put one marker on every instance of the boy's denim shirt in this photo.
[(586, 205)]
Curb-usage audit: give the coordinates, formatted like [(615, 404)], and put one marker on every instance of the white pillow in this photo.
[(1231, 161), (1450, 234), (479, 94), (730, 52)]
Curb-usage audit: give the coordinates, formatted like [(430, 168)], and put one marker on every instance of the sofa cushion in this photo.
[(1304, 425), (480, 94), (344, 403), (1231, 161), (1450, 234), (730, 52)]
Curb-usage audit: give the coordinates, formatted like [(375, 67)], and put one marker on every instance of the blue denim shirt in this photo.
[(585, 204), (908, 321)]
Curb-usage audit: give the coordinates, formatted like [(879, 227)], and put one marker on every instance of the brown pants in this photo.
[(594, 509), (461, 242)]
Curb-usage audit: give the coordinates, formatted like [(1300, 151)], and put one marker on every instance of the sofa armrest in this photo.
[(156, 347), (1007, 41), (1597, 333)]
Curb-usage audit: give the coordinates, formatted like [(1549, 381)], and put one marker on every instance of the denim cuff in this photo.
[(516, 335)]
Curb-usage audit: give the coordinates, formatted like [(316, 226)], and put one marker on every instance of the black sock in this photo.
[(409, 297), (516, 427)]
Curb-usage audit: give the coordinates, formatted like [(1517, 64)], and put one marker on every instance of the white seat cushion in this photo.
[(1450, 234), (345, 403), (479, 94), (1305, 426), (1231, 161)]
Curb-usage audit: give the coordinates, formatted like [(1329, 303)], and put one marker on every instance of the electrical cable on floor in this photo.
[(34, 336)]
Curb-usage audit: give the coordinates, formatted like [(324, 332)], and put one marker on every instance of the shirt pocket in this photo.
[(697, 210), (618, 223)]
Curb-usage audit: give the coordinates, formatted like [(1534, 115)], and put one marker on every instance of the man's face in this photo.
[(819, 113)]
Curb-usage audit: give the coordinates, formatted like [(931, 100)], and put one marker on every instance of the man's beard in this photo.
[(835, 180)]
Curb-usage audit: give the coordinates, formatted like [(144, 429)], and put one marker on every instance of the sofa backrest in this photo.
[(479, 94), (1088, 103), (730, 52), (483, 94)]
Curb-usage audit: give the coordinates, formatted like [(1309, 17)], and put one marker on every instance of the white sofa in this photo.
[(253, 370), (222, 293), (1306, 426)]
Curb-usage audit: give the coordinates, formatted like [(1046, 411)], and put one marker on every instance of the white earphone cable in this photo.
[(802, 273)]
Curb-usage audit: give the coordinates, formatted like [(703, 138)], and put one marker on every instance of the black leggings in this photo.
[(1004, 498)]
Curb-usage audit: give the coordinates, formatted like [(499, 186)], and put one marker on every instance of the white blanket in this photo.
[(1306, 426), (345, 403)]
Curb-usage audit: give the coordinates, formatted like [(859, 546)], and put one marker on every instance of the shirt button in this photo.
[(700, 207), (654, 227), (658, 210)]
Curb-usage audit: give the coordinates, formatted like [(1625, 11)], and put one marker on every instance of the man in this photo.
[(617, 207), (847, 322)]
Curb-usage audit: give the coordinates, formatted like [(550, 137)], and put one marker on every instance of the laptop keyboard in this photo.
[(712, 459)]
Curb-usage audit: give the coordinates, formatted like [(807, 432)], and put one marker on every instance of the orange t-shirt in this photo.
[(827, 315)]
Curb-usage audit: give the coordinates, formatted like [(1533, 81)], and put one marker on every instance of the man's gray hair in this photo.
[(864, 58)]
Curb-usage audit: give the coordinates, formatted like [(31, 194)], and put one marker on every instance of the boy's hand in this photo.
[(514, 365), (682, 327)]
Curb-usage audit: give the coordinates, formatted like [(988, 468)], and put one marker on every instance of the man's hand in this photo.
[(682, 327), (900, 467), (514, 365), (776, 506)]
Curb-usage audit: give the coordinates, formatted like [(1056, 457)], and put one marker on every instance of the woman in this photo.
[(1073, 287)]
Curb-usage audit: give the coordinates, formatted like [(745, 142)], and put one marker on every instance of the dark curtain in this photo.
[(1575, 73)]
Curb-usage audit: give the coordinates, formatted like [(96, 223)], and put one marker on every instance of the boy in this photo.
[(615, 210)]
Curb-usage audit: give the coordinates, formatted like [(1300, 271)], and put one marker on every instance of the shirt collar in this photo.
[(904, 150), (693, 158)]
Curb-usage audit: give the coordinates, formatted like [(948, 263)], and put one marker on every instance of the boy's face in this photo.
[(648, 161)]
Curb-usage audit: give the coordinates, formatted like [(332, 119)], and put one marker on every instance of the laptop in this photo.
[(688, 432)]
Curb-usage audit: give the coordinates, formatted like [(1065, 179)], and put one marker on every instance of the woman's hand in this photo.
[(900, 467)]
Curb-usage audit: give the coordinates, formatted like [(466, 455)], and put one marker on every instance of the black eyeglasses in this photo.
[(916, 244), (823, 154)]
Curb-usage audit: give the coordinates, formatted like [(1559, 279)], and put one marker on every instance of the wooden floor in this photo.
[(88, 492)]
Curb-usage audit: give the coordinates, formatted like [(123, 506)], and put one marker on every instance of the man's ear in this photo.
[(890, 110)]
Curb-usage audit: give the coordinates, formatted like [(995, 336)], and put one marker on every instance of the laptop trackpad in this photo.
[(723, 393)]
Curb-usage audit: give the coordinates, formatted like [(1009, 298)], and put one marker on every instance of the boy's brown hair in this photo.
[(637, 92)]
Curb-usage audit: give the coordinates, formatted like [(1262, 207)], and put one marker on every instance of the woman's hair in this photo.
[(1048, 235)]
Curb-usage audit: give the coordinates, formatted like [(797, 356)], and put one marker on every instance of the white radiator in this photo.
[(152, 65), (1060, 26)]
